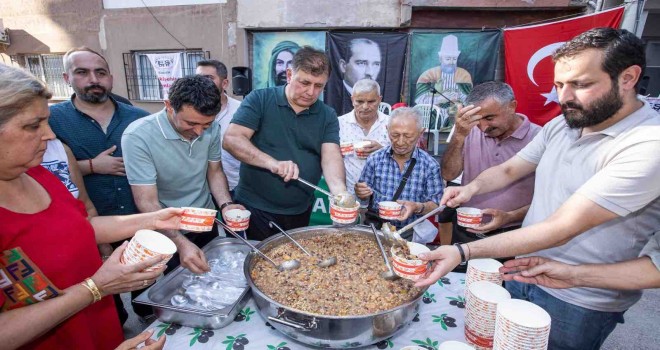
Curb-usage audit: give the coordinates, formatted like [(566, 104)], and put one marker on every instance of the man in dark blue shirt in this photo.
[(91, 124)]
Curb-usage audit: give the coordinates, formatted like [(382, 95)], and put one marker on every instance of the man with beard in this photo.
[(488, 132), (596, 191), (91, 124), (278, 133), (280, 59), (448, 79)]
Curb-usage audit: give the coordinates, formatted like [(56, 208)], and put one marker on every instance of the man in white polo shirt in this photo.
[(363, 123), (173, 159), (596, 195), (217, 71)]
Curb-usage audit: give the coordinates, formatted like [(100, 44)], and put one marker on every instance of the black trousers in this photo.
[(259, 229)]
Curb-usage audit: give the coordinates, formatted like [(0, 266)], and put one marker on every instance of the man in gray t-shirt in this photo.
[(172, 159), (596, 195)]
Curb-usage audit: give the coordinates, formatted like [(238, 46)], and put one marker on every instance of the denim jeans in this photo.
[(573, 327)]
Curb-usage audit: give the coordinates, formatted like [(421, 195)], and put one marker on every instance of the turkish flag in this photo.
[(528, 64)]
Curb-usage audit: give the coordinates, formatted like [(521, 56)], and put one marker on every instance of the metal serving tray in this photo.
[(159, 294)]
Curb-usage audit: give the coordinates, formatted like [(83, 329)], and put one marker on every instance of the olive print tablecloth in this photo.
[(440, 319)]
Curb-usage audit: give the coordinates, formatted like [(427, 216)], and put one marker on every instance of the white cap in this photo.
[(449, 46)]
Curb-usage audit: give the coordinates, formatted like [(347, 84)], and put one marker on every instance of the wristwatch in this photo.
[(460, 251), (420, 210), (224, 205)]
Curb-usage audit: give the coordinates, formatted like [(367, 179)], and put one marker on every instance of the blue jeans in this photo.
[(573, 327)]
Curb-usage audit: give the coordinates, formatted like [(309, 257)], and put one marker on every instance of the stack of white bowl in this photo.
[(482, 298), (483, 270), (521, 325)]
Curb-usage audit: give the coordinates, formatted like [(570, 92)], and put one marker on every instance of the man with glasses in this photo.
[(384, 169), (363, 123)]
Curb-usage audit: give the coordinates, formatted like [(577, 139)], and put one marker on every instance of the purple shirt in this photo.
[(481, 152)]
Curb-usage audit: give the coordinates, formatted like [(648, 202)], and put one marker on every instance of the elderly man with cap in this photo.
[(448, 79), (363, 124)]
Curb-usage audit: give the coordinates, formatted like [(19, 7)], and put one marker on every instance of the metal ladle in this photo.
[(327, 262), (389, 274), (345, 200), (285, 266)]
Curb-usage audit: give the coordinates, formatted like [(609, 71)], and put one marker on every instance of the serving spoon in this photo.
[(327, 262), (389, 274), (345, 200), (285, 266)]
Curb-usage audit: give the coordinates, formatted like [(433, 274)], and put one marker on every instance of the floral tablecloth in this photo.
[(440, 319)]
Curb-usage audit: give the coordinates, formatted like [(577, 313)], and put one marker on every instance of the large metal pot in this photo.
[(328, 331)]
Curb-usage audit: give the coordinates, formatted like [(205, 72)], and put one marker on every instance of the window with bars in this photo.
[(49, 68), (141, 80)]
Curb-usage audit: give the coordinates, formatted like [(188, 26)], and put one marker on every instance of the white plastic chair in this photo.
[(384, 108), (426, 111)]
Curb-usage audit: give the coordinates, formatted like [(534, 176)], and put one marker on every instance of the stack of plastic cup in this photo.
[(483, 270), (481, 312), (521, 325), (147, 244)]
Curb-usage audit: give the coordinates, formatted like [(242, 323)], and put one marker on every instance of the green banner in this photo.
[(444, 66), (321, 207)]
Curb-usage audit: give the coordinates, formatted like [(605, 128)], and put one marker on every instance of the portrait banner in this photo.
[(354, 56), (445, 66), (528, 64), (272, 53), (167, 67)]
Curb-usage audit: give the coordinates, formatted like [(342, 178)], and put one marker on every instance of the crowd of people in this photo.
[(573, 206)]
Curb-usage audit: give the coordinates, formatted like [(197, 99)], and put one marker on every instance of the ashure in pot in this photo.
[(345, 305)]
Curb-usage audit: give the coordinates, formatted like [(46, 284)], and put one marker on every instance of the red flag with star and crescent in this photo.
[(528, 63)]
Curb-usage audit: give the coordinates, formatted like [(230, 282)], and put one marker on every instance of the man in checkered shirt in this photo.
[(385, 168)]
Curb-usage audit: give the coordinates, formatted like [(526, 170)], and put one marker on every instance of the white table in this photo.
[(442, 303)]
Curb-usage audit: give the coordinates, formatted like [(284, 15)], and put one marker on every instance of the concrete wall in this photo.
[(55, 26), (50, 26), (207, 27), (274, 14)]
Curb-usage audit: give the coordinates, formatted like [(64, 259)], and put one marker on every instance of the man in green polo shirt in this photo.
[(172, 159), (279, 133)]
